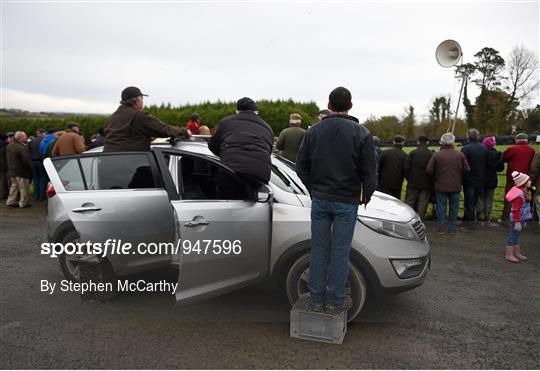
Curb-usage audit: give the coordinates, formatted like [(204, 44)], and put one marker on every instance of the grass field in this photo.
[(499, 191), (498, 203)]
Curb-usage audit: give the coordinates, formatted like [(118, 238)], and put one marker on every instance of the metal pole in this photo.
[(463, 77)]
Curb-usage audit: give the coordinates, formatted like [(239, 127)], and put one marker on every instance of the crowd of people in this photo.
[(442, 175), (323, 151)]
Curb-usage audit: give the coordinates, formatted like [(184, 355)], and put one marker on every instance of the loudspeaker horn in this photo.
[(448, 53)]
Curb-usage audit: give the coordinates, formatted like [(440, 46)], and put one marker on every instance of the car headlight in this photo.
[(392, 229), (407, 268)]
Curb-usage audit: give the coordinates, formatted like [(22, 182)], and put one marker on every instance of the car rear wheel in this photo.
[(297, 284), (68, 263)]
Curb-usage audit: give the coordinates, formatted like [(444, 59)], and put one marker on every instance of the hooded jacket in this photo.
[(44, 144)]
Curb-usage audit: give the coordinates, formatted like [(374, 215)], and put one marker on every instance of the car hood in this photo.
[(381, 206)]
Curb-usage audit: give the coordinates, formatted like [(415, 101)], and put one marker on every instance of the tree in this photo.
[(489, 66), (464, 72), (469, 108), (385, 127), (522, 75), (532, 120), (439, 116), (491, 112), (408, 122)]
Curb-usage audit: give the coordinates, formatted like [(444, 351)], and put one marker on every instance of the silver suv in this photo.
[(177, 192)]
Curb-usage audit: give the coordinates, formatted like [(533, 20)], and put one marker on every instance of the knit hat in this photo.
[(246, 104), (521, 136), (295, 118), (399, 139), (519, 178), (489, 142)]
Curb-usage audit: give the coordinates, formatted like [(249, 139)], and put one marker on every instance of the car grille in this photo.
[(419, 228)]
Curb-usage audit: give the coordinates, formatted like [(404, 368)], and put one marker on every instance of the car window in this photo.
[(284, 181), (106, 172), (117, 172), (205, 180), (70, 174)]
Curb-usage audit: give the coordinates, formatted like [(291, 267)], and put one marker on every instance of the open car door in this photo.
[(115, 196), (224, 232)]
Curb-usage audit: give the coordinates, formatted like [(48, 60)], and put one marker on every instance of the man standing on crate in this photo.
[(337, 182)]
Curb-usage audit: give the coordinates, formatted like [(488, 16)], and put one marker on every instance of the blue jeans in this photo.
[(513, 235), (453, 200), (332, 229), (38, 175)]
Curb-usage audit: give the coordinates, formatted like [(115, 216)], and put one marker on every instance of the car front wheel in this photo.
[(297, 284)]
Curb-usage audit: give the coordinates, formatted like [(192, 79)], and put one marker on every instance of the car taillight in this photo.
[(50, 190)]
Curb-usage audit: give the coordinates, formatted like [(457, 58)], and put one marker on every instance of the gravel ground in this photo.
[(474, 311)]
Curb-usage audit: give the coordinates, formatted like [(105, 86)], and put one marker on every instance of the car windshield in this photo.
[(284, 176)]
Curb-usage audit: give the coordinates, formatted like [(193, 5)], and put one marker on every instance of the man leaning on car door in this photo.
[(336, 162)]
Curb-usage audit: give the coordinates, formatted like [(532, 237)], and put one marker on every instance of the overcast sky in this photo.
[(78, 56)]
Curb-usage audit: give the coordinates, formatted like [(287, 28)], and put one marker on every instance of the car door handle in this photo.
[(197, 223), (86, 208)]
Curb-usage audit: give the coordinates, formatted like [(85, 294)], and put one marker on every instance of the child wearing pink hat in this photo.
[(521, 213)]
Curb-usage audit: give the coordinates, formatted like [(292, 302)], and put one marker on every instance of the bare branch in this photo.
[(523, 74)]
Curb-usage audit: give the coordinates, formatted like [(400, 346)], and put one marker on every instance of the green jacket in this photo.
[(289, 142)]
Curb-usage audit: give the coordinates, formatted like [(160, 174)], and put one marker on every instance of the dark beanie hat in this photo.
[(246, 104), (399, 139)]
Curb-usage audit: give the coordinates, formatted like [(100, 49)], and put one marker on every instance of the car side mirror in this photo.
[(265, 193)]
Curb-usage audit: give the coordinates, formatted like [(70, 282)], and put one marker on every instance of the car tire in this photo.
[(69, 267), (297, 277)]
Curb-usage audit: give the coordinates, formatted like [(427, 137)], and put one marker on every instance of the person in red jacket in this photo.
[(195, 127), (519, 157)]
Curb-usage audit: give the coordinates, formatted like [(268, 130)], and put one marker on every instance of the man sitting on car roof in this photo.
[(244, 143), (132, 129)]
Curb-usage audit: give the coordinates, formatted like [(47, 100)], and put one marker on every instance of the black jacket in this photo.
[(33, 148), (415, 169), (494, 165), (392, 167), (3, 157), (244, 143), (336, 160), (476, 154), (98, 142)]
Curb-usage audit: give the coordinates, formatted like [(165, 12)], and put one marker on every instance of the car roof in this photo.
[(196, 146), (193, 145)]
